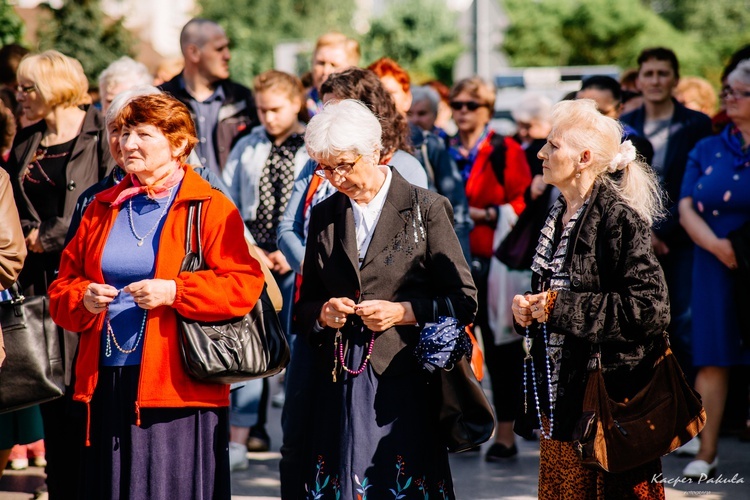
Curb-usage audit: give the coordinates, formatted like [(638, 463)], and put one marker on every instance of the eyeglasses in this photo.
[(728, 92), (470, 105), (25, 89), (342, 169)]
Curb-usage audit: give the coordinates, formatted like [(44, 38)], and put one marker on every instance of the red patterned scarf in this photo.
[(158, 189)]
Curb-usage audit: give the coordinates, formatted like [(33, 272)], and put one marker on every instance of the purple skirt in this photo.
[(175, 453)]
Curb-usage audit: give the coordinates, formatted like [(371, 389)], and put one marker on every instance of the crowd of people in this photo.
[(378, 207)]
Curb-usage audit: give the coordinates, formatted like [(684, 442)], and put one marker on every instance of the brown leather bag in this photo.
[(12, 244), (619, 436)]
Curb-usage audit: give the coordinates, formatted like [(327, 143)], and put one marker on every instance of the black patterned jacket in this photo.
[(617, 301)]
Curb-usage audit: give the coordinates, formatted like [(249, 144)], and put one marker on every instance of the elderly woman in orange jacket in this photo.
[(152, 430)]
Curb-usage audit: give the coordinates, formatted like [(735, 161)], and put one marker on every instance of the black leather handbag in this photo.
[(465, 416), (32, 372), (239, 349)]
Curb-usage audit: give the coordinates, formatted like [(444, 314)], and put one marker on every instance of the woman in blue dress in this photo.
[(716, 200)]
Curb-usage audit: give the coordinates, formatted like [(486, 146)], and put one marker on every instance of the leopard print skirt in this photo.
[(562, 477)]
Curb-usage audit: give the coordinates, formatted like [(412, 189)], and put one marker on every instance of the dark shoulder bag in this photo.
[(618, 436), (466, 417), (33, 369), (239, 349)]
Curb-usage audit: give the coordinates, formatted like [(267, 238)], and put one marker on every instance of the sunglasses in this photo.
[(28, 89), (470, 105), (342, 169)]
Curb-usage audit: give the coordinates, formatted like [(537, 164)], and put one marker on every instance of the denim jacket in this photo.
[(244, 167)]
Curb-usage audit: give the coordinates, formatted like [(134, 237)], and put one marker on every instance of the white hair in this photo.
[(582, 126), (343, 127), (532, 107), (421, 93), (125, 97), (124, 71), (740, 74)]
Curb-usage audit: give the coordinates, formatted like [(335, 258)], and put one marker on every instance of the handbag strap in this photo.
[(595, 360), (436, 309), (193, 226)]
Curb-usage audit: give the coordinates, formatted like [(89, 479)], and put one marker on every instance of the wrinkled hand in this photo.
[(724, 251), (33, 243), (150, 294), (280, 265), (380, 315), (97, 297), (660, 248), (527, 308), (334, 312)]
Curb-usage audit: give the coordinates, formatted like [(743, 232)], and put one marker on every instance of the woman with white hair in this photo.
[(596, 285), (123, 74), (715, 211), (381, 260)]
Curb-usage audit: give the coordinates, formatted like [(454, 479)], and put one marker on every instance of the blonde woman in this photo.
[(52, 162), (596, 282)]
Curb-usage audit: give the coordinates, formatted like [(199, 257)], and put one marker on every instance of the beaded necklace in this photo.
[(338, 355), (529, 360), (111, 335), (161, 216)]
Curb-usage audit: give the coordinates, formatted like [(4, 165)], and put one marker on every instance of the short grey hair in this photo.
[(532, 107), (343, 127), (124, 70), (125, 97), (741, 73), (421, 93), (197, 32)]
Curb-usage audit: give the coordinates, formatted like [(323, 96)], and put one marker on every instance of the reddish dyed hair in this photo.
[(386, 66), (441, 89), (164, 112)]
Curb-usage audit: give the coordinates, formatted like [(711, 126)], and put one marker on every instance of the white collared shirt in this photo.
[(366, 216)]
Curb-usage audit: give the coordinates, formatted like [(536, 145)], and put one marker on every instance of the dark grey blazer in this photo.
[(414, 256)]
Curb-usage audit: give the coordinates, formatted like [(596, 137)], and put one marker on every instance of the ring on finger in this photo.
[(336, 319)]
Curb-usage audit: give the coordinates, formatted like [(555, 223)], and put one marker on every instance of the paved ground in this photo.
[(474, 478)]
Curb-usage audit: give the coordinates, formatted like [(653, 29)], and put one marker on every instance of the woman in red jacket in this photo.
[(152, 431), (495, 174)]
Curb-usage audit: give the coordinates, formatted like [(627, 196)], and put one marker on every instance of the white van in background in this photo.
[(552, 82)]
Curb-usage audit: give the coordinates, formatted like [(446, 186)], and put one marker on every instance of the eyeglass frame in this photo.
[(324, 172), (728, 92), (28, 89), (469, 105)]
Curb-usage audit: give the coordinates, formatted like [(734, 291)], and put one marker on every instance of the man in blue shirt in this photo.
[(222, 110)]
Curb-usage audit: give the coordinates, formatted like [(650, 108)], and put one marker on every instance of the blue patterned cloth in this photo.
[(442, 344)]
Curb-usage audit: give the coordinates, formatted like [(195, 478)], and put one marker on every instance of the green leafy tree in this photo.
[(723, 26), (559, 32), (79, 29), (12, 28), (420, 35), (255, 27)]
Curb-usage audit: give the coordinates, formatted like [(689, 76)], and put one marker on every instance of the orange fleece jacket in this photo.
[(228, 289)]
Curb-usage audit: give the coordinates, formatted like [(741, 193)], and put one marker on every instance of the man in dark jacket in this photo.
[(673, 131), (222, 110)]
